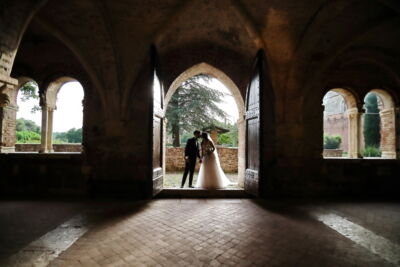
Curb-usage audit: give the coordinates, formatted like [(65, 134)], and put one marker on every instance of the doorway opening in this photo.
[(204, 98)]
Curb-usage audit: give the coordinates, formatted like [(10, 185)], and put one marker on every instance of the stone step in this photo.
[(202, 193)]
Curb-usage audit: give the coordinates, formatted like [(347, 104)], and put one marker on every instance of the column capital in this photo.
[(5, 79), (7, 87), (47, 108), (387, 111), (353, 113)]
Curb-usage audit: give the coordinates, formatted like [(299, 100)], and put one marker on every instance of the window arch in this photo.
[(340, 124), (379, 133), (64, 110), (28, 117)]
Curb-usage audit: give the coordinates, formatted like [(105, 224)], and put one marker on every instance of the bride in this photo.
[(211, 175)]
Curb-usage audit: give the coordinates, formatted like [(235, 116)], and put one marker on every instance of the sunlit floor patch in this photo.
[(378, 245), (45, 249)]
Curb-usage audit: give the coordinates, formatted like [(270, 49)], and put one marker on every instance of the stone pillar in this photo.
[(43, 140), (8, 113), (241, 151), (50, 113), (354, 132), (388, 134)]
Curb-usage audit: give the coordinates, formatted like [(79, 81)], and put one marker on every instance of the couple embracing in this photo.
[(211, 175)]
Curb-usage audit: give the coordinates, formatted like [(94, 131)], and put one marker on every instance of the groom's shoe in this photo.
[(191, 186)]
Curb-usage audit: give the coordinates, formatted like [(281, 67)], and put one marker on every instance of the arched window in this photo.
[(65, 115), (379, 134), (28, 119), (340, 124)]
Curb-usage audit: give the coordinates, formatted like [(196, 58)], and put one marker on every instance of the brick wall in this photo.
[(174, 160), (338, 124)]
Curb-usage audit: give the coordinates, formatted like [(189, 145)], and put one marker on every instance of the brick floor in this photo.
[(227, 232)]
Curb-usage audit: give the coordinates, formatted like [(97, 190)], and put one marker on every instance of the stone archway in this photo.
[(353, 117), (204, 68), (48, 106)]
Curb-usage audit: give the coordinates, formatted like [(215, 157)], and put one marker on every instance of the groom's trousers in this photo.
[(189, 169)]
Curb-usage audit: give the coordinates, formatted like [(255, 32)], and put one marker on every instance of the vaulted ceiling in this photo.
[(303, 39)]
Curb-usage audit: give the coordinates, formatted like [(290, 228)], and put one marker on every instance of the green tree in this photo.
[(193, 106), (27, 125), (230, 138), (71, 136), (372, 121), (24, 137), (30, 91), (74, 135)]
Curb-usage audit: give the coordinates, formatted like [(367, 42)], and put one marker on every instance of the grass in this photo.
[(174, 179)]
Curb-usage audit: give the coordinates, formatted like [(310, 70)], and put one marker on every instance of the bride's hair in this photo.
[(204, 135)]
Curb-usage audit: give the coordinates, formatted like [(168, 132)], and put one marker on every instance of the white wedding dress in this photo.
[(211, 175)]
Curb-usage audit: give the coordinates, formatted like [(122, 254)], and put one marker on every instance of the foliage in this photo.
[(71, 136), (30, 91), (27, 125), (224, 138), (372, 151), (230, 138), (24, 137), (372, 121), (185, 136), (194, 105), (332, 141)]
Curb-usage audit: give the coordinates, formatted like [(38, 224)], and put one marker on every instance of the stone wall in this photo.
[(43, 174), (56, 147), (332, 153), (174, 160)]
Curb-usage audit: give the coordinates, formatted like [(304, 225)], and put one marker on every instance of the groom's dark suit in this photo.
[(192, 152)]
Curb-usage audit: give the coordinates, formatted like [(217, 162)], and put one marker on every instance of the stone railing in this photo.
[(333, 153), (56, 147), (174, 159)]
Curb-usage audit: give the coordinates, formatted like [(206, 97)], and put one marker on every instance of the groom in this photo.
[(192, 152)]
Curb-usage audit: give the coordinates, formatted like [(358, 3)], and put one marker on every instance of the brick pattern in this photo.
[(213, 233), (388, 136), (174, 160), (338, 124)]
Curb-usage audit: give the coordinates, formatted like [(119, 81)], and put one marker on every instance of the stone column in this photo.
[(388, 134), (241, 151), (43, 140), (8, 113), (50, 113), (354, 132)]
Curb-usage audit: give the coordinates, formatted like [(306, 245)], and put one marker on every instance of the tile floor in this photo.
[(199, 232)]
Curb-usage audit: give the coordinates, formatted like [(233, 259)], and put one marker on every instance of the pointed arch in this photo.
[(204, 68)]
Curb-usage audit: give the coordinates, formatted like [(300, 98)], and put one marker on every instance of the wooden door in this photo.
[(157, 125), (253, 128)]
